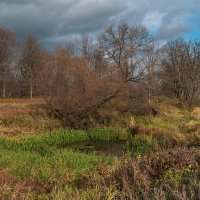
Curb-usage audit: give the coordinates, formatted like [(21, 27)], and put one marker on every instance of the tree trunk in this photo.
[(3, 91), (192, 97), (149, 100), (31, 91)]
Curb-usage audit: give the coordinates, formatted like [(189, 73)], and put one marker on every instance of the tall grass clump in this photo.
[(141, 144), (63, 137), (108, 134)]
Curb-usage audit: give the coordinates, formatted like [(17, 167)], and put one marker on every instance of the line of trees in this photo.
[(120, 71)]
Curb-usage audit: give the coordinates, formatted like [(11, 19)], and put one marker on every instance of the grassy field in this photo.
[(160, 160)]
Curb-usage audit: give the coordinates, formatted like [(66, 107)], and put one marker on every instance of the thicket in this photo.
[(88, 82)]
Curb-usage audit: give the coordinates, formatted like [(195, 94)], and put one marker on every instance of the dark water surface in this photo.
[(100, 147)]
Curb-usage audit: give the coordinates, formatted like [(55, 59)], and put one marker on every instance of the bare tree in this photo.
[(194, 73), (124, 46), (31, 62), (86, 46), (7, 43), (151, 78), (81, 93), (77, 91), (180, 61)]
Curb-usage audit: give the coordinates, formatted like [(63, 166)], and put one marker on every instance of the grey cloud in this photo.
[(53, 20), (172, 31), (57, 17), (174, 15), (91, 16), (173, 25)]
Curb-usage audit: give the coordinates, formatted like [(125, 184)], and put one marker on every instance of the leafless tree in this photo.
[(88, 81), (7, 43), (124, 46), (151, 77), (180, 61), (31, 62), (77, 90)]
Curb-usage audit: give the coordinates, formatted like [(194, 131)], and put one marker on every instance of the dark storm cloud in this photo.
[(53, 18), (56, 20)]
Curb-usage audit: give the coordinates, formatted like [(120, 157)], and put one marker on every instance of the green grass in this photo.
[(168, 123), (61, 138), (108, 134), (162, 159), (65, 162), (43, 156), (141, 144)]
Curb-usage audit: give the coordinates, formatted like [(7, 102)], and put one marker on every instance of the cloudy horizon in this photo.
[(56, 21)]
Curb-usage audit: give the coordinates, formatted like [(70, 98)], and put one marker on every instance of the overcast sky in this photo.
[(56, 21)]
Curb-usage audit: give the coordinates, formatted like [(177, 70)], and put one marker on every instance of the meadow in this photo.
[(159, 155)]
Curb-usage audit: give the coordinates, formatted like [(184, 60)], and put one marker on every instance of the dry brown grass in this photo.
[(166, 174), (13, 188), (19, 105), (24, 116), (168, 171), (25, 101), (196, 113)]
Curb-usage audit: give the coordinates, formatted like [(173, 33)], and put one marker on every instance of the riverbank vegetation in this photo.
[(155, 158)]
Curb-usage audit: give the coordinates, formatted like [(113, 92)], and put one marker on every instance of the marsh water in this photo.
[(100, 147)]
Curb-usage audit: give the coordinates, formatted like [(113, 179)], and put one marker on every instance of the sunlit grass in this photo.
[(42, 154), (63, 163)]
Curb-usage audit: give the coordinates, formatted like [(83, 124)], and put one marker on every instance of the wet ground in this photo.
[(117, 149)]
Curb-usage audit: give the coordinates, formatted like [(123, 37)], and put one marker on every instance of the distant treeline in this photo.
[(124, 66)]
